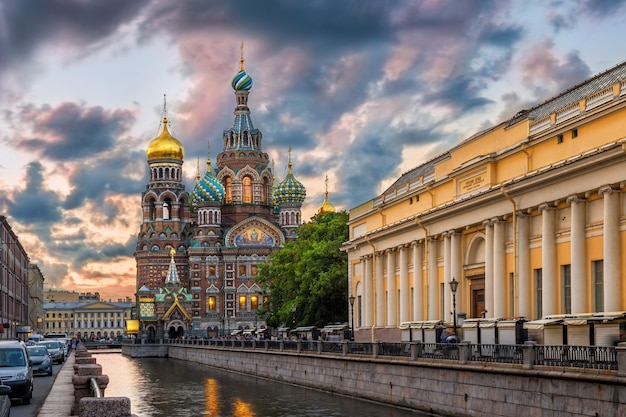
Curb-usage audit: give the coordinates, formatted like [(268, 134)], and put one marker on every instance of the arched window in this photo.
[(247, 190), (228, 188)]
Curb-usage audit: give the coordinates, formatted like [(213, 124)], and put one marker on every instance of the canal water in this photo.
[(171, 387)]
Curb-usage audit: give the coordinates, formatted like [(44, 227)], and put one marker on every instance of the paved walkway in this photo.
[(60, 399)]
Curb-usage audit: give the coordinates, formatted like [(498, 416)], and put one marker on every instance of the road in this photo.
[(41, 388)]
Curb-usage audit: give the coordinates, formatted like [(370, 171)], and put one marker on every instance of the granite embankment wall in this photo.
[(437, 386)]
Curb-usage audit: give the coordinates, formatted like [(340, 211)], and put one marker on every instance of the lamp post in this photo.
[(454, 284), (351, 299), (293, 315)]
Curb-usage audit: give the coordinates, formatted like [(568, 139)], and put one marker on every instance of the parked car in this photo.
[(16, 370), (55, 349), (5, 401), (40, 359)]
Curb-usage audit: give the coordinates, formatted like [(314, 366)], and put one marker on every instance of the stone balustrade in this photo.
[(85, 404)]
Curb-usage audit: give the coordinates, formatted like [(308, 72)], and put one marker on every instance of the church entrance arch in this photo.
[(175, 329)]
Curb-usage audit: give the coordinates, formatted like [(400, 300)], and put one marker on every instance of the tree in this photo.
[(307, 281)]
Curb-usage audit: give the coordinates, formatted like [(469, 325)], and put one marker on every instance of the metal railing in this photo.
[(591, 357), (94, 388)]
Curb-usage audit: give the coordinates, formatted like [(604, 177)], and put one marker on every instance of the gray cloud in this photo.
[(35, 204), (70, 131)]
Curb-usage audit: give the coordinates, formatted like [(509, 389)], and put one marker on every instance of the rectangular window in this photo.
[(574, 133), (254, 302), (242, 271), (212, 303), (566, 287), (212, 271), (242, 302), (559, 139), (538, 293), (597, 270)]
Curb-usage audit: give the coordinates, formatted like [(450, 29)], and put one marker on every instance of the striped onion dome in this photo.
[(208, 189)]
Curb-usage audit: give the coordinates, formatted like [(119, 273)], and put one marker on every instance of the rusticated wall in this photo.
[(440, 387)]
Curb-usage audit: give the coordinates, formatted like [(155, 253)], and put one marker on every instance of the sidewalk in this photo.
[(60, 399)]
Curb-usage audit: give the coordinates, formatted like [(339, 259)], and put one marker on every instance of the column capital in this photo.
[(575, 198), (607, 189), (546, 206)]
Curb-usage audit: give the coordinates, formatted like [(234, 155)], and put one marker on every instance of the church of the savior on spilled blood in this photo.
[(198, 252)]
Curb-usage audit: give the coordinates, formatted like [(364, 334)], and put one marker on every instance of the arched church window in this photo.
[(166, 210), (228, 188), (247, 190)]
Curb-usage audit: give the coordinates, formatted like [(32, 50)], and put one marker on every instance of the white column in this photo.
[(523, 268), (418, 282), (404, 285), (548, 262), (368, 307), (392, 289), (612, 262), (380, 289), (433, 280), (499, 269), (108, 319), (447, 294), (456, 269), (578, 255), (489, 268)]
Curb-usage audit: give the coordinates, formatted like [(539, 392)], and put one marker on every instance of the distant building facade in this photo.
[(64, 296), (197, 253), (35, 299), (88, 320), (14, 274), (528, 216)]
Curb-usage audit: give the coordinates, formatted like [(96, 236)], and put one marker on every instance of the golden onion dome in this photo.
[(327, 207), (165, 146)]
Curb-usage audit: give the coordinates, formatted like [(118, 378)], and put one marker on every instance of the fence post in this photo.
[(299, 345), (529, 354), (464, 347), (621, 358), (344, 348), (319, 346), (416, 350), (375, 346), (281, 345)]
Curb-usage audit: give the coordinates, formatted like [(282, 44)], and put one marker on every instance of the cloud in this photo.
[(70, 131), (545, 73), (34, 204)]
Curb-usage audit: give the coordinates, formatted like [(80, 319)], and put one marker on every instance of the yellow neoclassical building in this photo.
[(528, 216)]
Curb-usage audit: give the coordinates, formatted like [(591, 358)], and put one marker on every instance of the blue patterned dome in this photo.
[(290, 190), (208, 190)]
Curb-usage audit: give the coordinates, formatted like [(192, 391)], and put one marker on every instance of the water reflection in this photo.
[(169, 387)]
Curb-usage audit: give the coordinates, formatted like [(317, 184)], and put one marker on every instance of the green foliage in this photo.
[(309, 275)]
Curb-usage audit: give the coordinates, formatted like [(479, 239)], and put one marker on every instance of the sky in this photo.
[(362, 91)]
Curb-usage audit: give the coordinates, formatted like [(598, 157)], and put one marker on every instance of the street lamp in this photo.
[(293, 314), (454, 284), (351, 299)]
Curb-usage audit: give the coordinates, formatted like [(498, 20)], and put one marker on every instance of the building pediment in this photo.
[(98, 305)]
